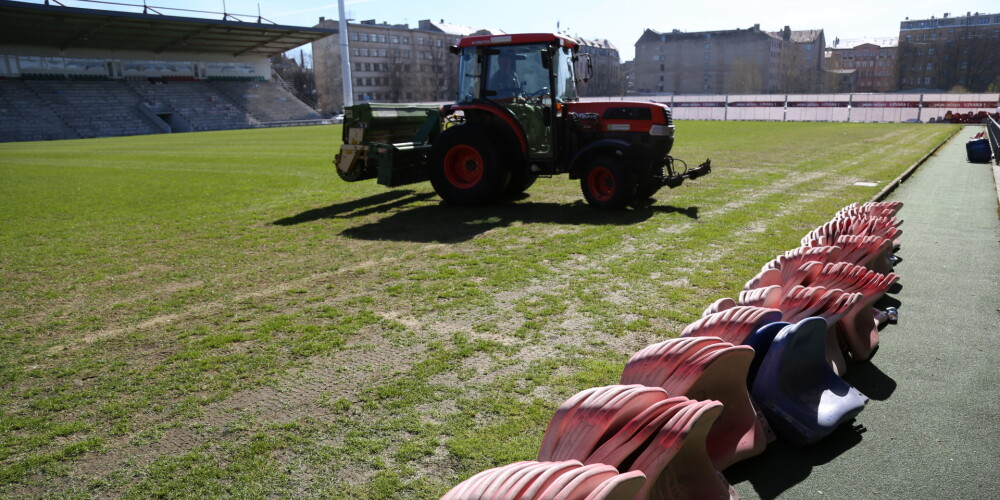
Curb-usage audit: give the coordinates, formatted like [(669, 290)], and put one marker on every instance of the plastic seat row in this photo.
[(689, 407), (567, 479), (827, 234)]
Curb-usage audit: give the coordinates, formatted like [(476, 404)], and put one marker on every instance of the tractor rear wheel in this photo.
[(520, 180), (607, 184), (465, 167)]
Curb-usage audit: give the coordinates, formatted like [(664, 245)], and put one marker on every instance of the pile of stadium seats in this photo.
[(969, 118), (765, 365)]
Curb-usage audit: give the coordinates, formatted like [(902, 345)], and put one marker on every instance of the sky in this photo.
[(621, 22)]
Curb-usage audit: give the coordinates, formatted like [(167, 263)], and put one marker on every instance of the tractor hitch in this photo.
[(675, 178)]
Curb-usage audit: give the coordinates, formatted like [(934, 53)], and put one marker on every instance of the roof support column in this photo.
[(345, 59)]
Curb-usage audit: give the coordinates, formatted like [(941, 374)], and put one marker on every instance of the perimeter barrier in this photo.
[(993, 132), (922, 108)]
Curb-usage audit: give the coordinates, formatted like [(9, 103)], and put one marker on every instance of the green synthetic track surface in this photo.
[(216, 314), (932, 427)]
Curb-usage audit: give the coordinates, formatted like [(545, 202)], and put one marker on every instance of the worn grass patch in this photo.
[(214, 314)]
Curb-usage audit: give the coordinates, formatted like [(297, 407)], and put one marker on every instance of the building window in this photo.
[(395, 38), (406, 39), (420, 40), (381, 38), (930, 66), (364, 37), (354, 36)]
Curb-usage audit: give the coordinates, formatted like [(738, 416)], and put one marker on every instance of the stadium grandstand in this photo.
[(68, 72)]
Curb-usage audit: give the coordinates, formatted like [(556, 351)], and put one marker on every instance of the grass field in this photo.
[(217, 314)]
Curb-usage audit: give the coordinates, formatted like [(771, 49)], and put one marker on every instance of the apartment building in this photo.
[(741, 61), (609, 78), (873, 63), (390, 62), (950, 52)]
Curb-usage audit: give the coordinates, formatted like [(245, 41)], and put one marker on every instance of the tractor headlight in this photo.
[(662, 130)]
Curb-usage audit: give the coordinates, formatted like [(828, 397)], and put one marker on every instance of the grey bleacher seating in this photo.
[(94, 108), (26, 116), (197, 102), (267, 101), (35, 108)]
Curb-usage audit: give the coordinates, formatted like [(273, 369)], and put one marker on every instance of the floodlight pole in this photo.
[(345, 59)]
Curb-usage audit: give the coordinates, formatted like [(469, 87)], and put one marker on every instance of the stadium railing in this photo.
[(993, 131)]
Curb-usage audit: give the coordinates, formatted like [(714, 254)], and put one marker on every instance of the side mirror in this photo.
[(454, 49), (547, 60), (589, 68)]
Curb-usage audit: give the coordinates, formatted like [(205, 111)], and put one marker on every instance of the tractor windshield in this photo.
[(517, 71)]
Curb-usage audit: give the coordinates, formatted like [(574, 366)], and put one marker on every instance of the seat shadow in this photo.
[(887, 301), (870, 380), (782, 465)]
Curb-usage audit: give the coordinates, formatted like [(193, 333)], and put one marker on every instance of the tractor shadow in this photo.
[(443, 223), (356, 208)]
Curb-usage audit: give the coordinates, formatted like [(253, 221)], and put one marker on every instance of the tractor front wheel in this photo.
[(465, 167), (606, 184)]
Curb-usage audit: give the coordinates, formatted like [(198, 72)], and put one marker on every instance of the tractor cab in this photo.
[(529, 76)]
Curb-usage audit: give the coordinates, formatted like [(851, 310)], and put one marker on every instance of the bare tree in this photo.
[(746, 78)]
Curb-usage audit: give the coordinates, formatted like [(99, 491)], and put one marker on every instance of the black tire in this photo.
[(646, 189), (520, 180), (465, 168), (607, 184)]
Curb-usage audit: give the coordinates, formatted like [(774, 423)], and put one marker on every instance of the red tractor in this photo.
[(517, 117)]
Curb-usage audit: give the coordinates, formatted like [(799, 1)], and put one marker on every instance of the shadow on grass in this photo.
[(441, 222), (782, 465), (444, 223), (355, 208)]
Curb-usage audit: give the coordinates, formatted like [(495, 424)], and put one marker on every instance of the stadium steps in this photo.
[(197, 102), (267, 101)]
